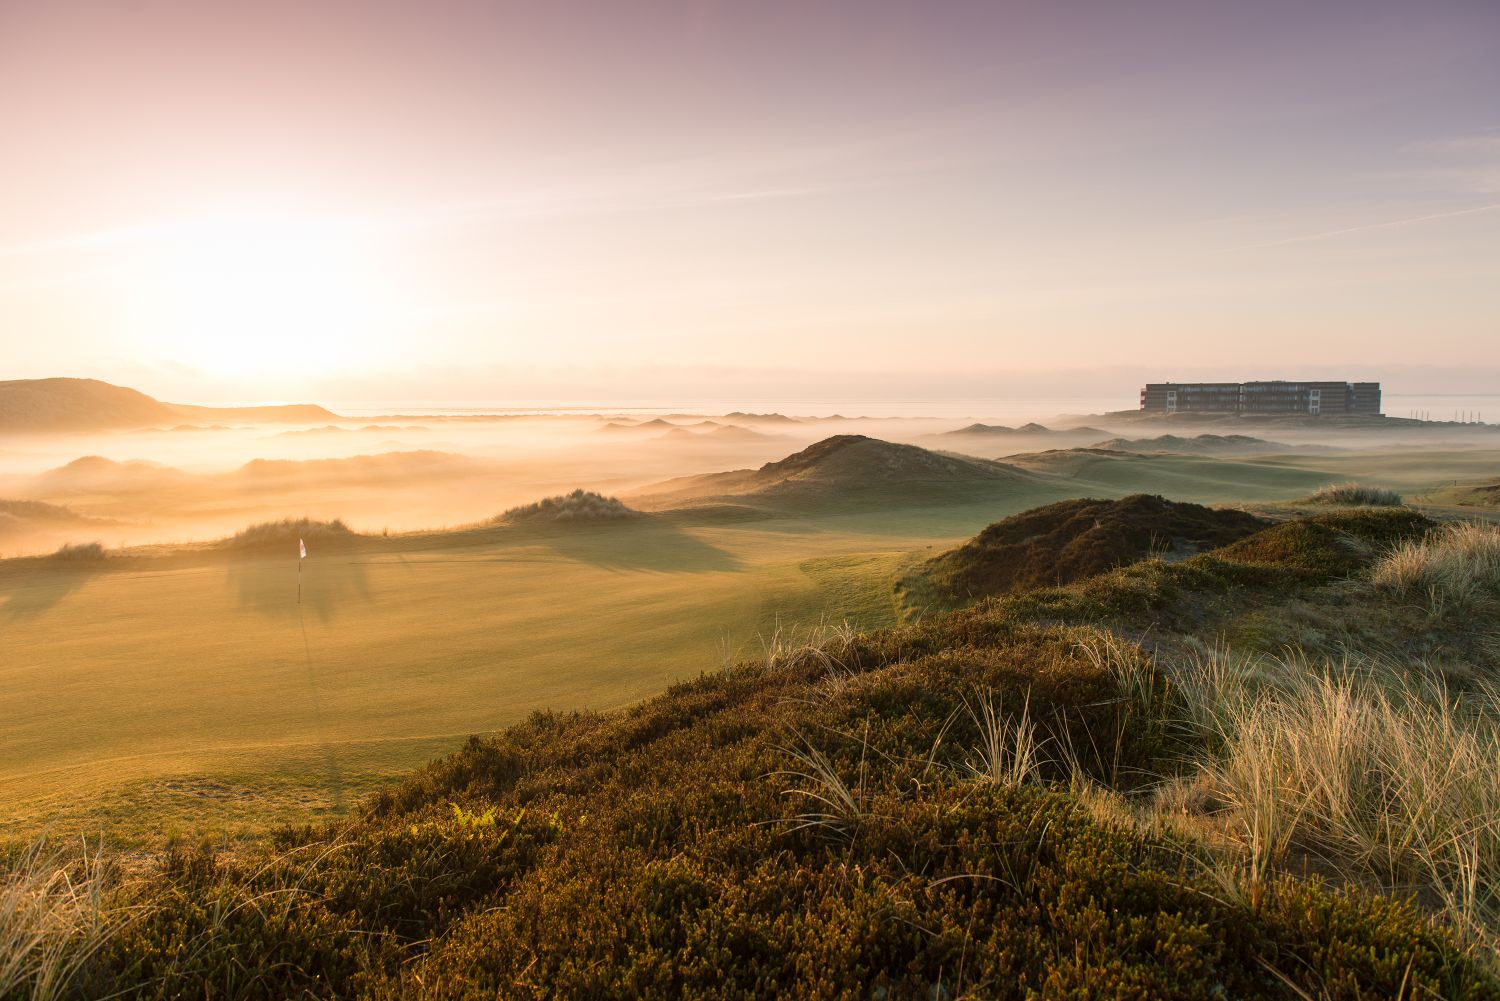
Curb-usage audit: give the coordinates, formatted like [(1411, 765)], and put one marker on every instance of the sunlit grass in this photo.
[(1379, 770), (1452, 566), (55, 914)]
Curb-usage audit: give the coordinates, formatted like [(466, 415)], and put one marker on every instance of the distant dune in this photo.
[(652, 425), (1067, 461), (51, 405), (334, 430), (357, 468), (35, 527), (1032, 430), (94, 474), (735, 431), (169, 488), (21, 515), (847, 467), (740, 417)]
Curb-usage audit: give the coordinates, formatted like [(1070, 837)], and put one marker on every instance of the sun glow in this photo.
[(246, 293)]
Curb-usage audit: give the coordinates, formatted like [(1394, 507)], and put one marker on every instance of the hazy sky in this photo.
[(350, 199)]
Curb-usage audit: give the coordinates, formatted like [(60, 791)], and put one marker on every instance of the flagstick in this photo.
[(299, 578)]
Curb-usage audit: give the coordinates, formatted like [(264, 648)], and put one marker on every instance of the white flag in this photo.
[(302, 548)]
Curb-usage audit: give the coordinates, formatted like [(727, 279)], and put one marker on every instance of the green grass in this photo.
[(137, 690)]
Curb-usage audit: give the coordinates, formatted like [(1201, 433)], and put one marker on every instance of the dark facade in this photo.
[(1278, 397)]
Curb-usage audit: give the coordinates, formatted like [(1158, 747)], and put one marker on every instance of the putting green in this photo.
[(192, 689)]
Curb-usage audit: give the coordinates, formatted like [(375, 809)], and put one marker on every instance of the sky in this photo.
[(345, 200)]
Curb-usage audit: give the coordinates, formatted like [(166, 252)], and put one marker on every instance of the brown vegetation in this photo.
[(1070, 540)]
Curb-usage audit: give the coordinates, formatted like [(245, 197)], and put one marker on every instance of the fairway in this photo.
[(192, 687)]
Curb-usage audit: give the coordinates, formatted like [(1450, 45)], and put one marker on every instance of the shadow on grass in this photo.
[(643, 544), (329, 585), (34, 592)]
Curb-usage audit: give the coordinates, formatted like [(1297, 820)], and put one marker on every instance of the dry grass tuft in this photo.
[(1354, 495), (1454, 565), (1008, 753), (54, 917), (1376, 769), (825, 645), (834, 807)]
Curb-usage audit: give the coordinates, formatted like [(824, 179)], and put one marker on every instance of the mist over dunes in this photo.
[(487, 567), (1203, 444), (1029, 430), (36, 526), (56, 405), (845, 469)]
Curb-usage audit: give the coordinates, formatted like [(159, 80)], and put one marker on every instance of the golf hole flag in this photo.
[(301, 550)]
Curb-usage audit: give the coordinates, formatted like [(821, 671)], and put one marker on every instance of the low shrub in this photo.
[(286, 532), (1074, 539), (580, 505), (1354, 495), (1328, 546), (81, 551)]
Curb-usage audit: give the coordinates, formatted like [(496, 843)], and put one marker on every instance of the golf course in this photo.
[(230, 685)]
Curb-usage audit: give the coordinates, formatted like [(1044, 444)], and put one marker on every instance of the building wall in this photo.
[(1273, 397)]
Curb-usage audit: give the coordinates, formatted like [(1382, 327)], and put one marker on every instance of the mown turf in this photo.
[(193, 685)]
